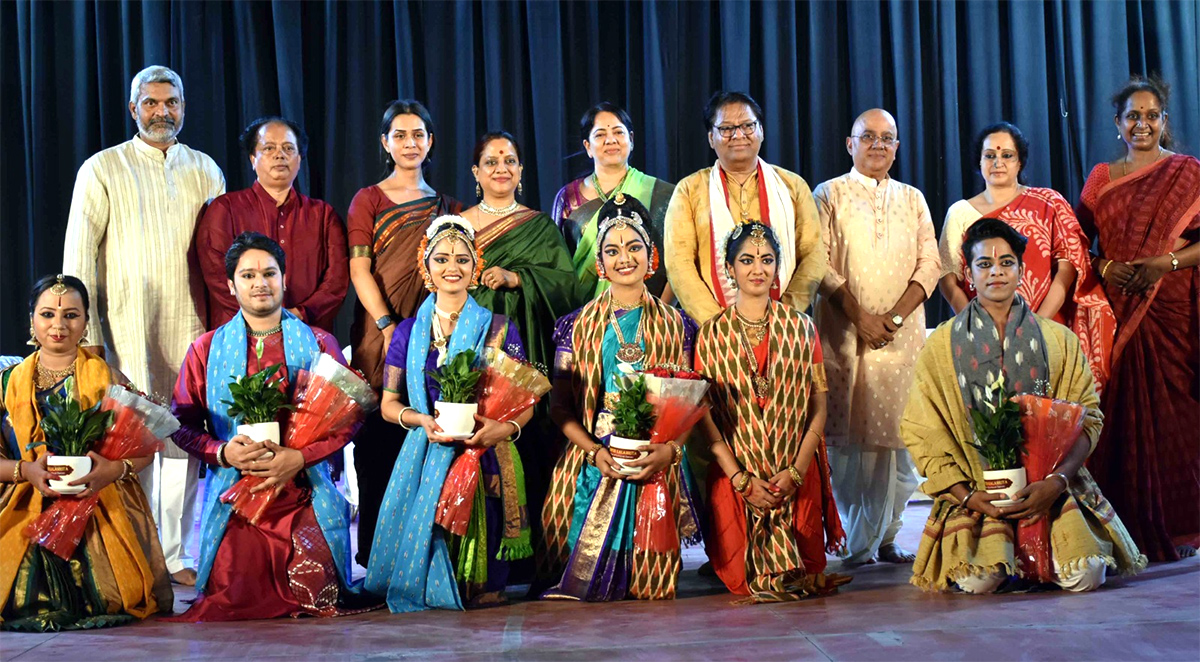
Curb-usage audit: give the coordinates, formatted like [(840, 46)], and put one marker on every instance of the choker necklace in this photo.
[(754, 329), (258, 344), (498, 211), (453, 317), (47, 377), (623, 305)]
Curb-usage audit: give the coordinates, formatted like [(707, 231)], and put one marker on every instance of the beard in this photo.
[(160, 130)]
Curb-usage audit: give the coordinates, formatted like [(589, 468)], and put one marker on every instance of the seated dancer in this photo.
[(117, 573), (967, 540), (773, 512), (589, 518), (296, 559), (415, 562)]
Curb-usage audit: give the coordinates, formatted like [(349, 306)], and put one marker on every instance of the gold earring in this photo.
[(732, 280), (600, 270), (33, 341), (478, 191)]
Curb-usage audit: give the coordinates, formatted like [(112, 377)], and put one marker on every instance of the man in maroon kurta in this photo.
[(309, 230)]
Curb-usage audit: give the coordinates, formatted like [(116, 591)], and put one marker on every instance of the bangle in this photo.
[(1105, 269), (17, 477), (518, 427), (796, 477), (967, 499), (400, 419), (1065, 480), (129, 472), (676, 453), (745, 482), (221, 461), (590, 456)]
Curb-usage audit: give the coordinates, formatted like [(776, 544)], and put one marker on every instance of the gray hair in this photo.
[(154, 73)]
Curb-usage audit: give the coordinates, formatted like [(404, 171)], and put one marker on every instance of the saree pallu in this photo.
[(117, 574), (1048, 222), (577, 218), (589, 522), (1147, 460), (937, 428), (777, 554)]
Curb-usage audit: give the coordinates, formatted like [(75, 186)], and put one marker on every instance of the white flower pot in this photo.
[(626, 450), (260, 431), (68, 468), (1004, 481), (457, 420)]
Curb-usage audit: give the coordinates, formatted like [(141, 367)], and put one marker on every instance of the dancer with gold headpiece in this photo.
[(591, 539), (416, 563)]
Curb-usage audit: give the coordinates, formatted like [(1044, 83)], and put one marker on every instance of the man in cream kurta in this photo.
[(736, 184), (133, 212), (883, 265)]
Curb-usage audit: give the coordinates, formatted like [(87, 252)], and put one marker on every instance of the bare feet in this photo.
[(1185, 551), (895, 554), (186, 577)]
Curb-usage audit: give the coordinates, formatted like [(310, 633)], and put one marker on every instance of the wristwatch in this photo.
[(383, 322), (897, 319)]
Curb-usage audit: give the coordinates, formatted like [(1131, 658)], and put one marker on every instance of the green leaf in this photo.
[(458, 378)]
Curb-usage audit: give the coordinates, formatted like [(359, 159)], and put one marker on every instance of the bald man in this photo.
[(883, 265)]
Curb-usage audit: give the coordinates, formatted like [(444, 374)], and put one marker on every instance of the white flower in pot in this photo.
[(70, 430), (1000, 439), (633, 418), (455, 409), (257, 401)]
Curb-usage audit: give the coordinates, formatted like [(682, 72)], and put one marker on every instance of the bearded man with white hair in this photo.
[(133, 213)]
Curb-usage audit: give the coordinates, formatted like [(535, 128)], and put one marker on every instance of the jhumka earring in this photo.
[(33, 341), (732, 280), (428, 280), (520, 188), (478, 190), (599, 271)]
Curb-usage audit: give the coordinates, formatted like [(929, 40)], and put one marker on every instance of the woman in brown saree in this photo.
[(385, 226), (1145, 210)]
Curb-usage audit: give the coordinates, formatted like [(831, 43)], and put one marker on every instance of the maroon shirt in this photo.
[(313, 238)]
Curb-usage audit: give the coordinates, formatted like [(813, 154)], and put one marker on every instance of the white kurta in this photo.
[(132, 217), (879, 237)]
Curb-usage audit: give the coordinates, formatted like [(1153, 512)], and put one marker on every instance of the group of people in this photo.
[(817, 428)]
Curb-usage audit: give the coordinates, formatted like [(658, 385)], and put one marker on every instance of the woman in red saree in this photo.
[(1145, 210), (1059, 283)]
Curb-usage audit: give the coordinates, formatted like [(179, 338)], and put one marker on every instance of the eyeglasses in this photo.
[(870, 139), (747, 129), (287, 148)]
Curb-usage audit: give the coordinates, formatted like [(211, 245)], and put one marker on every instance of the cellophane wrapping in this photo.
[(507, 388), (138, 429), (1051, 428), (329, 398), (677, 396)]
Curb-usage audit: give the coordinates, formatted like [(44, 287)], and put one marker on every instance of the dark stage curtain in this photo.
[(944, 69)]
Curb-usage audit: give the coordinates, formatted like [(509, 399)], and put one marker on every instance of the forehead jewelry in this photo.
[(758, 236), (59, 289)]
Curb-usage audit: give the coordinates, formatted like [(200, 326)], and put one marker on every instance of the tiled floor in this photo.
[(879, 616)]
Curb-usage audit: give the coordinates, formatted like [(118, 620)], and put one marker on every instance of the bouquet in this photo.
[(138, 427), (506, 389), (1051, 428), (329, 398), (676, 395)]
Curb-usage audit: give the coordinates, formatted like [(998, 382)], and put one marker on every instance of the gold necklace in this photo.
[(47, 377), (627, 352), (623, 305), (754, 329), (260, 335), (760, 383)]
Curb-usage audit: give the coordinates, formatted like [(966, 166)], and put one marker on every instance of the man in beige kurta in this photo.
[(735, 133), (883, 265), (130, 227)]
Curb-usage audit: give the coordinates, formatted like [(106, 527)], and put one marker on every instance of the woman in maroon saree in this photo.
[(1145, 210)]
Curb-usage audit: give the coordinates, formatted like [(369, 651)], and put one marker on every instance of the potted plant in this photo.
[(70, 430), (1000, 439), (455, 409), (257, 401), (633, 418)]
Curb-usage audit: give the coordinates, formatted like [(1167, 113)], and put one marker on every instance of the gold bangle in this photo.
[(745, 482), (360, 251), (129, 470), (590, 456), (17, 477), (796, 477), (1105, 269), (676, 453)]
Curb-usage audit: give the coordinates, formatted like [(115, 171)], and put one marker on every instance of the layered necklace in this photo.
[(751, 334), (604, 197), (440, 339), (47, 378), (627, 352), (259, 336), (498, 211)]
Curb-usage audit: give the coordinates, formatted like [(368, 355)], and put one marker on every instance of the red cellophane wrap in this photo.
[(138, 428), (1051, 428), (329, 398), (676, 396), (507, 388)]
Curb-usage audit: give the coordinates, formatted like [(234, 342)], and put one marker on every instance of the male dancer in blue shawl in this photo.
[(296, 559)]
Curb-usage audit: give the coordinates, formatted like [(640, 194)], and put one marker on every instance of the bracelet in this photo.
[(518, 427), (129, 472), (745, 482), (796, 477), (590, 456), (17, 477), (221, 461), (1174, 260), (676, 453), (400, 419), (967, 499), (1105, 269), (1065, 480)]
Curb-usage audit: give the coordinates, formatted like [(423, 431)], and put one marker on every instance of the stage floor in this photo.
[(879, 616)]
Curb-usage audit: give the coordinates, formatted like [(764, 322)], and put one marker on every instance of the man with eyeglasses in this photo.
[(308, 229), (740, 187), (883, 258), (133, 212)]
